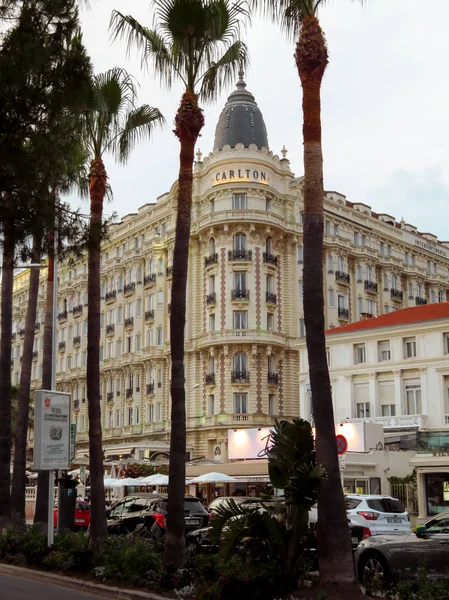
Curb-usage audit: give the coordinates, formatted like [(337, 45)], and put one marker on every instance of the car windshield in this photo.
[(352, 503), (386, 505), (190, 505)]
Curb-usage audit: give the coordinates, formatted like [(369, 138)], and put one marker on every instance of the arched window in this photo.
[(239, 241), (151, 375), (269, 245), (341, 263), (240, 362), (150, 266), (410, 290), (112, 284), (86, 302), (139, 275), (160, 266), (211, 246), (440, 296), (103, 289), (358, 272), (78, 298), (330, 264), (211, 364), (419, 290), (369, 273), (300, 255), (394, 282), (271, 364), (386, 282), (130, 276), (433, 297), (120, 283)]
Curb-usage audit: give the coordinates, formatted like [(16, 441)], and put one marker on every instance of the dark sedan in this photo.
[(149, 512), (386, 558)]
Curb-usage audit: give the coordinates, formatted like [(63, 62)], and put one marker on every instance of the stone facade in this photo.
[(244, 313)]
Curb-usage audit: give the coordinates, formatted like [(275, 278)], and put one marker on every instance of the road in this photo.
[(15, 588)]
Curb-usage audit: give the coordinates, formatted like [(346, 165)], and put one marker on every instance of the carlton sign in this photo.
[(241, 175)]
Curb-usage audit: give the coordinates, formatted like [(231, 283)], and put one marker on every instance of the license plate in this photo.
[(79, 520), (394, 520), (355, 540), (193, 522)]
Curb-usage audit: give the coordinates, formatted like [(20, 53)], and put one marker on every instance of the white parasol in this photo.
[(214, 477)]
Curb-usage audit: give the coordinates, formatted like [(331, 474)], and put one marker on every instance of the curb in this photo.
[(106, 591)]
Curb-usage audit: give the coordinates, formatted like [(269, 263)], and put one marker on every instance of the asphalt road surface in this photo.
[(15, 588)]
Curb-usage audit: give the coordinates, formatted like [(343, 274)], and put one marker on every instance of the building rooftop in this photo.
[(406, 316), (241, 121)]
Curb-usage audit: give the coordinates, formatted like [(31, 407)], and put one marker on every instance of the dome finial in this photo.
[(241, 84)]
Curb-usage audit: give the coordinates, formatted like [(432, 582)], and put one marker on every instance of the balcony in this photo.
[(149, 315), (273, 378), (399, 422), (270, 259), (343, 313), (211, 298), (240, 295), (169, 271), (149, 279), (61, 316), (396, 294), (22, 332), (150, 388), (129, 288), (240, 376), (35, 355), (212, 259), (61, 346), (76, 404), (77, 310), (110, 329), (110, 397), (210, 378), (77, 340), (419, 301), (243, 255), (111, 296), (271, 298), (129, 322), (342, 277), (129, 393), (370, 286)]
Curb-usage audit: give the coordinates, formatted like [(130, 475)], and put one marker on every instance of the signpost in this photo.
[(52, 437)]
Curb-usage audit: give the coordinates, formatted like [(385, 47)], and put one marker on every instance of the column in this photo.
[(398, 396), (422, 504), (373, 394), (424, 395)]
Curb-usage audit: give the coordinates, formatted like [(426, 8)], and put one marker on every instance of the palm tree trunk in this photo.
[(97, 186), (41, 511), (20, 446), (5, 370), (334, 544), (189, 122)]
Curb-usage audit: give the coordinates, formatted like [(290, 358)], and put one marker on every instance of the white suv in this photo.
[(381, 514)]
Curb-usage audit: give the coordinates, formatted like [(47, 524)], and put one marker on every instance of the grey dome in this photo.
[(241, 121)]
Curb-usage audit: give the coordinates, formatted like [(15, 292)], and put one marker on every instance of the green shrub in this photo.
[(128, 559), (30, 543)]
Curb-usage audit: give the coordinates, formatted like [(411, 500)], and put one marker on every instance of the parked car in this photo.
[(389, 557), (149, 512), (82, 515), (382, 514)]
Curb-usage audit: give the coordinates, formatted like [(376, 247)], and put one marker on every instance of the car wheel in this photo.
[(374, 572), (193, 547)]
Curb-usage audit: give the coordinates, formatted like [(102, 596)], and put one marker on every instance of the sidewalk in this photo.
[(79, 584)]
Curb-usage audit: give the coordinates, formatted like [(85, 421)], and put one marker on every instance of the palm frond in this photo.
[(221, 73), (140, 124), (154, 48), (289, 14)]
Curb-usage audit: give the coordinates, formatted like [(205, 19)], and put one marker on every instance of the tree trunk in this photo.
[(5, 370), (334, 544), (189, 122), (20, 446), (97, 187), (41, 511)]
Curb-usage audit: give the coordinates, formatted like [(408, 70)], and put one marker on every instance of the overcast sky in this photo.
[(385, 106)]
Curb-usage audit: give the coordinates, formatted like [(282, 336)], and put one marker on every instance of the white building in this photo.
[(392, 370)]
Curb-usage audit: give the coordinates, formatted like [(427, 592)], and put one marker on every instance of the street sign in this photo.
[(72, 442), (342, 462), (51, 430), (342, 444)]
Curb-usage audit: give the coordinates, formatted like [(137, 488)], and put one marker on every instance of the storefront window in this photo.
[(437, 493)]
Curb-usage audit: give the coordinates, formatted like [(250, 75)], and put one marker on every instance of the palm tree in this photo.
[(112, 124), (195, 41), (334, 544)]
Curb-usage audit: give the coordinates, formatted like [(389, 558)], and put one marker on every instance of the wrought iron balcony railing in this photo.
[(270, 259), (212, 259), (271, 298), (240, 376), (239, 294), (211, 298), (150, 388), (240, 255), (210, 378), (149, 315), (370, 286), (396, 294), (129, 288), (343, 313), (273, 378), (148, 279), (342, 277), (110, 329), (110, 296), (129, 322)]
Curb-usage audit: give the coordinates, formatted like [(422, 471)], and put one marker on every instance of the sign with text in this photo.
[(51, 430)]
